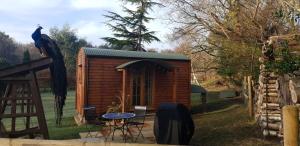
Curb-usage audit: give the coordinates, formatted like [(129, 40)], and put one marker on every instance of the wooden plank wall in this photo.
[(164, 84), (105, 83), (183, 82)]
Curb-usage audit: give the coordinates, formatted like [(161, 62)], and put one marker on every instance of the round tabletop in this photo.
[(115, 116)]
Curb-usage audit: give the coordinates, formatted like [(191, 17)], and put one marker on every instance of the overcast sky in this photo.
[(19, 18)]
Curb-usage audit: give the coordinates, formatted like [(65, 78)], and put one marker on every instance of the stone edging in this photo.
[(34, 142)]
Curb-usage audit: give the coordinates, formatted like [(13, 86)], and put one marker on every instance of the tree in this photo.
[(168, 51), (203, 65), (69, 43), (8, 49), (232, 31), (3, 64), (130, 31), (33, 51), (152, 50), (26, 56)]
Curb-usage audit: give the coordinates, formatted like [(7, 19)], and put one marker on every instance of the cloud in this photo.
[(92, 30), (94, 4), (19, 18), (20, 34), (27, 6)]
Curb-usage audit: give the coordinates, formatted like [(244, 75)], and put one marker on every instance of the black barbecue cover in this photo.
[(173, 124)]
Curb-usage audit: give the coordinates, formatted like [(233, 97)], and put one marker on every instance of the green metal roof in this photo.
[(132, 54)]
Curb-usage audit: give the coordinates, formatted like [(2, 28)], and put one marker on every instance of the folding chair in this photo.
[(139, 120), (92, 119)]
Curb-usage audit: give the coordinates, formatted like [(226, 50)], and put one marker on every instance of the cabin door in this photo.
[(142, 80)]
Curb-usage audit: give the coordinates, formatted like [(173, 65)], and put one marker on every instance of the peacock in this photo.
[(49, 48)]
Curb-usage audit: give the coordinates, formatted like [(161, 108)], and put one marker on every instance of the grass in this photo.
[(69, 129), (225, 122), (213, 102)]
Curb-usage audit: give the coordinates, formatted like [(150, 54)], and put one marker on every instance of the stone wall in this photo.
[(34, 142)]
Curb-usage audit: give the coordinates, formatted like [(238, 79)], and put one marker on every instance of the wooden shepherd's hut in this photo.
[(138, 78)]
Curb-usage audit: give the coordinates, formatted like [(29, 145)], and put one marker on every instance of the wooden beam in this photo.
[(250, 100), (17, 115), (175, 85), (35, 65), (124, 72), (28, 111), (4, 103), (17, 134), (153, 88), (142, 88), (17, 78), (13, 108), (36, 98), (86, 84), (130, 88), (245, 89)]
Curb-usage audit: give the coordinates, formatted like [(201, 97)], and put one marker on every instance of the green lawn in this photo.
[(68, 129), (228, 127), (213, 102), (225, 122)]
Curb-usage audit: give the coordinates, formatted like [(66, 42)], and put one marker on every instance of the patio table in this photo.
[(121, 125)]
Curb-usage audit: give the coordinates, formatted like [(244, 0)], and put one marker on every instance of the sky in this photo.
[(19, 18)]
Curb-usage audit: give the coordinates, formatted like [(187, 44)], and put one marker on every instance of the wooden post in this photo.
[(290, 125), (203, 99), (124, 89), (142, 89), (245, 89), (153, 102), (37, 100), (13, 109), (250, 98), (175, 85)]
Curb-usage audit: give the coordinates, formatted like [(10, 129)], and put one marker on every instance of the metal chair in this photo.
[(139, 120), (92, 119)]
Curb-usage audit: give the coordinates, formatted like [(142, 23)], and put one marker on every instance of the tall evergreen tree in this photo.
[(130, 31), (26, 56)]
